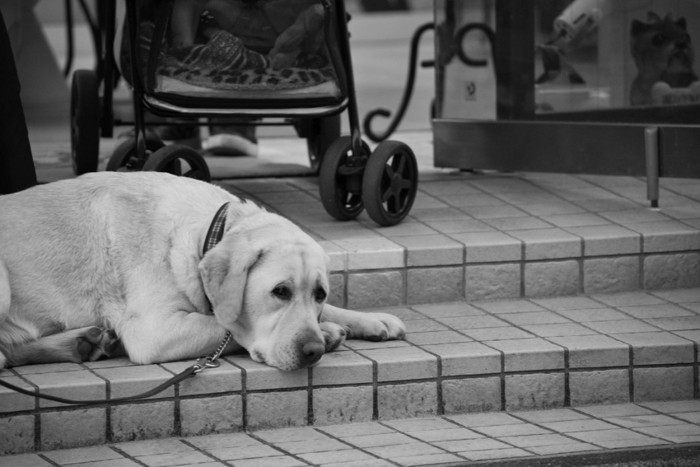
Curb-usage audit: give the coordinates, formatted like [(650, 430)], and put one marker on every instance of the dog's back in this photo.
[(67, 249)]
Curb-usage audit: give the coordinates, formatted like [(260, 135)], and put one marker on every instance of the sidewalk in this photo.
[(604, 433)]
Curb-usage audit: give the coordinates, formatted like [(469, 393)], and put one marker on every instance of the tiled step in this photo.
[(657, 433), (459, 357), (498, 236)]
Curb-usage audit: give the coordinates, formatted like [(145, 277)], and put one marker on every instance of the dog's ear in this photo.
[(224, 272)]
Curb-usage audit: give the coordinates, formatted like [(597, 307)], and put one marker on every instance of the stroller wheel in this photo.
[(390, 183), (340, 179), (180, 160), (321, 134), (127, 149), (85, 122)]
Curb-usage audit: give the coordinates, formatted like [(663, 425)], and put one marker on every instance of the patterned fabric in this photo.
[(216, 229), (225, 64)]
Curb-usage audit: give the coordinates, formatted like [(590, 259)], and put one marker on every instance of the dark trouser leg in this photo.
[(16, 164)]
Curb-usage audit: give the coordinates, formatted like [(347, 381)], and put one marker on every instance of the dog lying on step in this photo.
[(112, 261)]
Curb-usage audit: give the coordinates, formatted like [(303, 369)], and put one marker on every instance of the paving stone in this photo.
[(223, 378), (593, 314), (498, 333), (78, 385), (393, 363), (468, 358), (549, 243), (406, 400), (211, 415), (372, 253), (563, 448), (260, 376), (552, 278), (651, 348), (11, 401), (599, 387), (535, 440), (131, 380), (489, 247), (606, 275), (510, 306), (663, 383), (337, 368), (17, 434), (492, 281), (437, 284), (543, 417), (153, 446), (487, 454), (436, 337), (529, 354), (374, 289), (674, 406), (277, 409), (602, 240), (27, 460), (431, 250), (516, 429), (471, 395), (446, 310), (462, 446), (342, 405), (616, 438), (83, 455), (142, 421), (74, 428), (591, 351), (534, 391), (672, 271), (374, 440)]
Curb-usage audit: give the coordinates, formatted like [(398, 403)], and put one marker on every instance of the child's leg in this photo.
[(183, 22)]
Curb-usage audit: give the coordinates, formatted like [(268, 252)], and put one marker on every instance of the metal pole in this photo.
[(651, 153)]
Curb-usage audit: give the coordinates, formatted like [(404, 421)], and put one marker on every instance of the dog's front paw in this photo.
[(379, 327), (333, 335)]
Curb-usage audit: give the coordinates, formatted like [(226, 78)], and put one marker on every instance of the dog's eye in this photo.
[(320, 294), (282, 292)]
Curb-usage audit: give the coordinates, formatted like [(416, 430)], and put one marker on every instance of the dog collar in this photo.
[(216, 229), (214, 236)]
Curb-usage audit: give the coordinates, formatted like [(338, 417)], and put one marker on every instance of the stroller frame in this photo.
[(351, 177)]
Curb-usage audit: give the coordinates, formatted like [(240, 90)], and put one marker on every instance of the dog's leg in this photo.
[(155, 337), (76, 345), (333, 335), (363, 325)]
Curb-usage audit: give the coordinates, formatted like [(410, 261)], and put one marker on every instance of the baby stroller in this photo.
[(275, 59)]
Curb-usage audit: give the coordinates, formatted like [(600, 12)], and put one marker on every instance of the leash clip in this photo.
[(211, 360), (208, 363)]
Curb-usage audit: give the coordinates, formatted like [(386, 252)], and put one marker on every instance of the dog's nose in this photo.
[(312, 352)]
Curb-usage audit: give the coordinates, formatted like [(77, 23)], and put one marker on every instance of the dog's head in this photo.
[(267, 281), (662, 49)]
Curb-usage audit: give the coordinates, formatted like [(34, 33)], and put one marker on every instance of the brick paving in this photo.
[(458, 357), (414, 441)]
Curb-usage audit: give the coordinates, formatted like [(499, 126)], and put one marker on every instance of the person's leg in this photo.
[(17, 170), (231, 136)]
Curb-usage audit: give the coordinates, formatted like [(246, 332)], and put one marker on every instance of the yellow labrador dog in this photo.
[(110, 259)]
